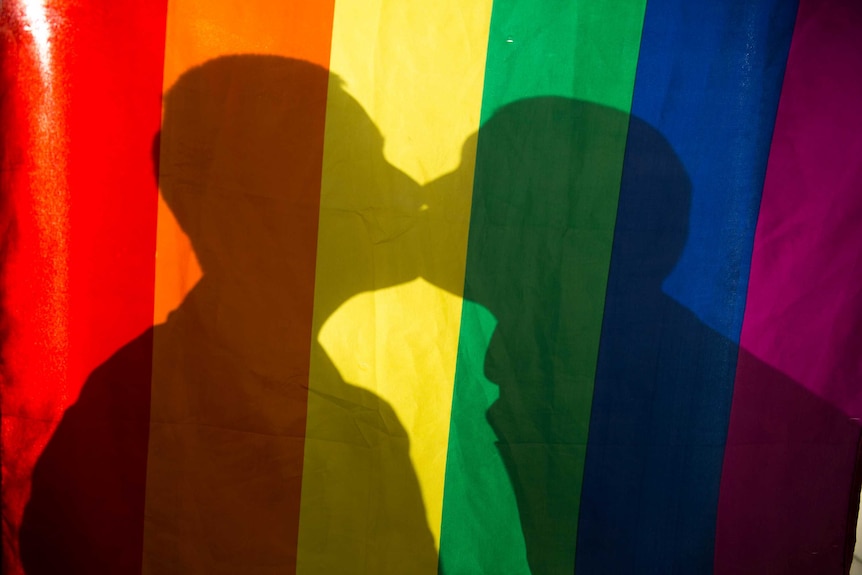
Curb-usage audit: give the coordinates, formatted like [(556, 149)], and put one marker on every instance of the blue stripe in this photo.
[(709, 78)]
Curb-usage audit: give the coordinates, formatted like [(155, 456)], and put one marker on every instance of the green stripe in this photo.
[(544, 203)]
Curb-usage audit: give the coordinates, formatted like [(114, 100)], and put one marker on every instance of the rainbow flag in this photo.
[(488, 287)]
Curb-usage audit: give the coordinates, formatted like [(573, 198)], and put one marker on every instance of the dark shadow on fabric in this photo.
[(664, 380), (664, 441), (240, 169), (791, 479), (224, 424)]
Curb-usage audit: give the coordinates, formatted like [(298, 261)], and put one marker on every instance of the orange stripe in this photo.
[(241, 153), (199, 31)]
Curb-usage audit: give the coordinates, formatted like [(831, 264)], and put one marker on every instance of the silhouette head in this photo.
[(549, 207), (241, 160), (544, 210), (551, 166)]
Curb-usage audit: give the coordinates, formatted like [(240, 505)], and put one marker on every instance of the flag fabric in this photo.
[(431, 287)]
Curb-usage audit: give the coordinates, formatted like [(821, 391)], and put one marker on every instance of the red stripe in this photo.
[(79, 295)]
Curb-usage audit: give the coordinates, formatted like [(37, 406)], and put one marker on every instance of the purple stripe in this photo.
[(788, 499)]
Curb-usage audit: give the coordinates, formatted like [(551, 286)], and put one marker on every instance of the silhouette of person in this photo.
[(205, 416), (649, 438), (216, 443)]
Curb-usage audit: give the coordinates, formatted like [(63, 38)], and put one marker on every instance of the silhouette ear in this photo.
[(155, 154)]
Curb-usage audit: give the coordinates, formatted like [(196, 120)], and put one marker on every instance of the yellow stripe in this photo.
[(390, 272)]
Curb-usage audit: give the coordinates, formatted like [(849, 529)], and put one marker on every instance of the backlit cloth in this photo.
[(489, 287)]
